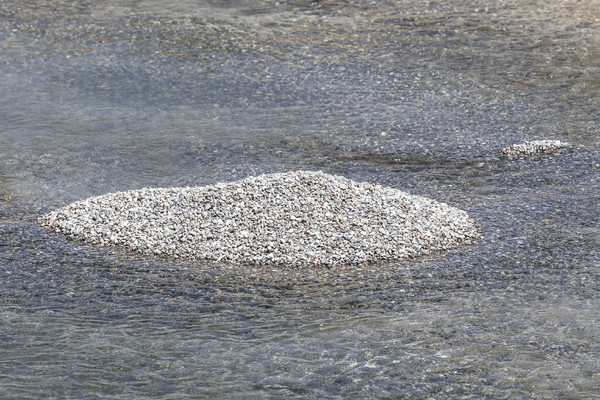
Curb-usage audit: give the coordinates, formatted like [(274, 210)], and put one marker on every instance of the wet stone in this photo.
[(296, 218)]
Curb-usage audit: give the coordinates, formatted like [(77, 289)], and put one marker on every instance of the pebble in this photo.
[(300, 219), (535, 147)]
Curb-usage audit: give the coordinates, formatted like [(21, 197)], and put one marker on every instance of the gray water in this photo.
[(103, 96)]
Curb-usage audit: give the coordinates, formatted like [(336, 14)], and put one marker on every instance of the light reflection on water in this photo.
[(102, 97)]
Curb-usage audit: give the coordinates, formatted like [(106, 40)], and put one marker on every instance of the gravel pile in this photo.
[(532, 148), (296, 218)]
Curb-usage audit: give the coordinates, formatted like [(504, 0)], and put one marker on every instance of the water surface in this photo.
[(99, 97)]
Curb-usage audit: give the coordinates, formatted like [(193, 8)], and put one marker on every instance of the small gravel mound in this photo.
[(535, 147), (296, 218)]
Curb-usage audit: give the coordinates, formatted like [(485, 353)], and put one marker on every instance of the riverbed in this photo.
[(101, 97)]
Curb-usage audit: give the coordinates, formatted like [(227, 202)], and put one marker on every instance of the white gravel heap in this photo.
[(296, 218), (532, 148)]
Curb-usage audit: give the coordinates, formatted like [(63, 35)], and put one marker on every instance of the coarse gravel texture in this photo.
[(534, 147), (296, 218)]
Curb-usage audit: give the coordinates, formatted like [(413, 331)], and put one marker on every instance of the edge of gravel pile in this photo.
[(298, 218)]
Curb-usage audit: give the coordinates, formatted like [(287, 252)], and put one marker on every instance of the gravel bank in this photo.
[(532, 148), (296, 218)]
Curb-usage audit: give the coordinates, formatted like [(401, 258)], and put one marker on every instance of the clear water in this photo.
[(105, 96)]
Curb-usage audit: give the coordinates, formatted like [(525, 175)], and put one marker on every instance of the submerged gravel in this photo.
[(296, 218)]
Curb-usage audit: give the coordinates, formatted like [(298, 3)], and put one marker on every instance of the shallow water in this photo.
[(99, 97)]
